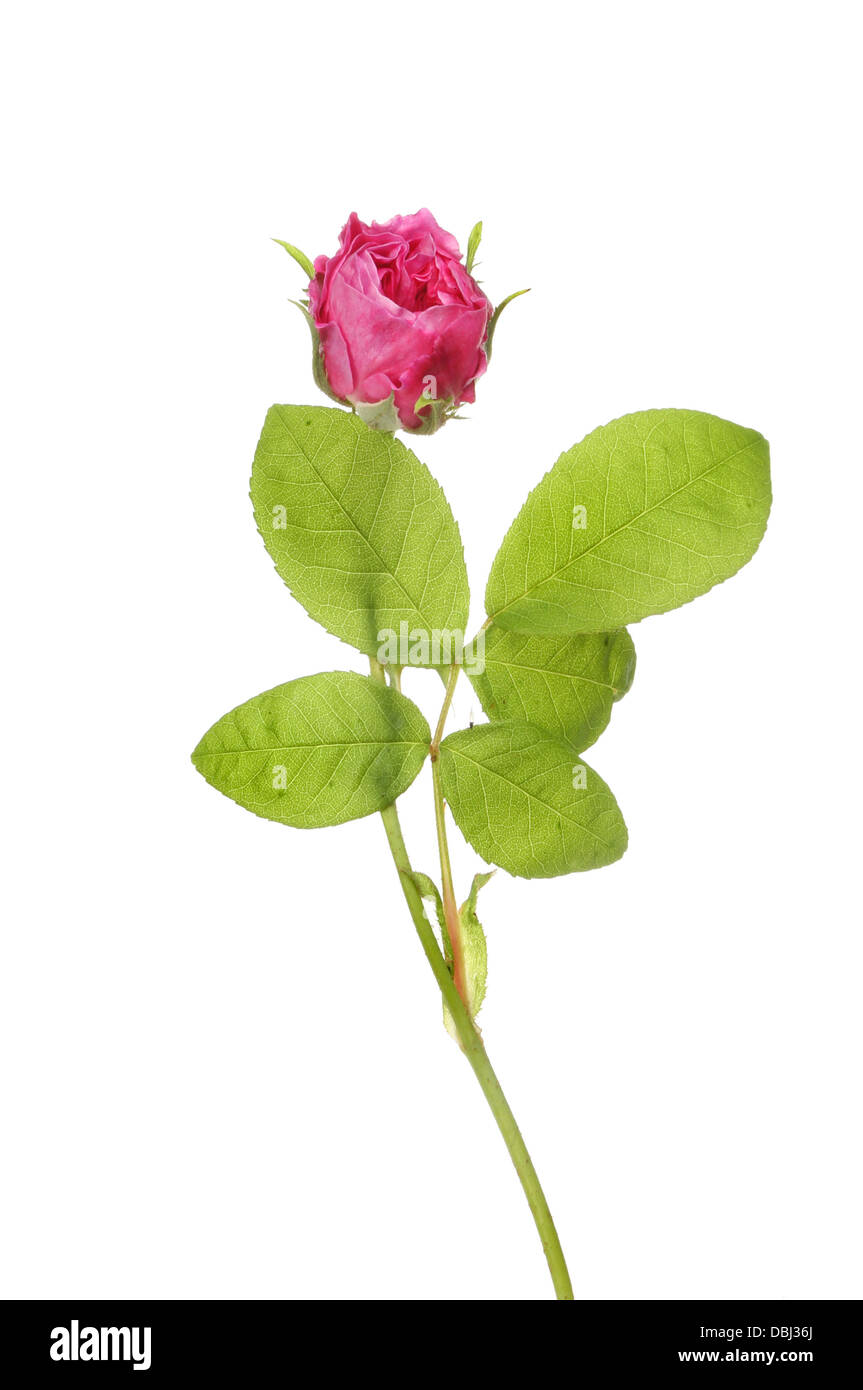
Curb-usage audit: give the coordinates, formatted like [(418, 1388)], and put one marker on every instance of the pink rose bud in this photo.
[(402, 331)]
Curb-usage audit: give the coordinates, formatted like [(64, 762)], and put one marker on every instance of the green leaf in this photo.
[(493, 322), (565, 685), (643, 515), (473, 242), (358, 528), (317, 751), (300, 257), (526, 802)]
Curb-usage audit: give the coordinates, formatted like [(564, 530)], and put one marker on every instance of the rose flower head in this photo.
[(401, 330)]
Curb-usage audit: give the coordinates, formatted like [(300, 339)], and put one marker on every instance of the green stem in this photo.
[(476, 1054), (451, 680), (473, 1047), (450, 906)]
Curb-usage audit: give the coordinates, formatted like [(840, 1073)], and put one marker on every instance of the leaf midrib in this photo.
[(319, 743)]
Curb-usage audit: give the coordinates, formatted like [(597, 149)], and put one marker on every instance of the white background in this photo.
[(223, 1068)]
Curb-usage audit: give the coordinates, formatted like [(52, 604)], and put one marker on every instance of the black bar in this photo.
[(243, 1341)]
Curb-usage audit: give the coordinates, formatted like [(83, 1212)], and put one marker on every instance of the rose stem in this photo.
[(450, 906), (472, 1044)]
